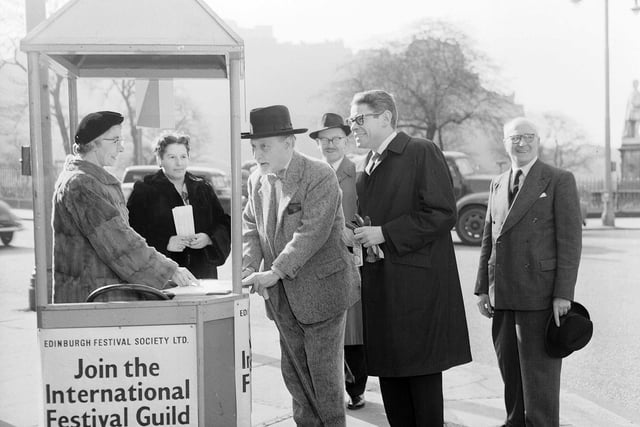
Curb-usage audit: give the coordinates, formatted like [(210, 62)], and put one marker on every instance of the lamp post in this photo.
[(608, 211)]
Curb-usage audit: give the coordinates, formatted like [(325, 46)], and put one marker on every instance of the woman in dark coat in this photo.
[(150, 211)]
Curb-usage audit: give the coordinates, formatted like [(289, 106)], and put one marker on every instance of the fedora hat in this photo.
[(270, 121), (574, 332), (330, 121)]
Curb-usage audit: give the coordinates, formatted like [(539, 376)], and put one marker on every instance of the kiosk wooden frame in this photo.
[(148, 39)]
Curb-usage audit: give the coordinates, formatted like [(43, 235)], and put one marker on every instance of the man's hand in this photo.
[(199, 241), (484, 305), (183, 277), (247, 271), (348, 237), (260, 282), (561, 307), (178, 243), (369, 236)]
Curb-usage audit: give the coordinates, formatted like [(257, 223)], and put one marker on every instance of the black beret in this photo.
[(95, 124)]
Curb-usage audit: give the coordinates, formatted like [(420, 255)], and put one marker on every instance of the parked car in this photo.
[(472, 196), (9, 223), (217, 177)]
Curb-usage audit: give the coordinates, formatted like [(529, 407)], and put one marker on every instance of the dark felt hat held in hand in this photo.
[(95, 124), (270, 121), (574, 332)]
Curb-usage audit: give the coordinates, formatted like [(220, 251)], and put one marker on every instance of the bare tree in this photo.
[(435, 77), (127, 90), (564, 143)]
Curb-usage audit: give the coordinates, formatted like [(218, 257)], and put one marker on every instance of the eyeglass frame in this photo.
[(359, 118), (114, 140), (333, 140), (516, 139)]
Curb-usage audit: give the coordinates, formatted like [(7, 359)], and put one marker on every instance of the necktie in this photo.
[(516, 187), (272, 217), (372, 163)]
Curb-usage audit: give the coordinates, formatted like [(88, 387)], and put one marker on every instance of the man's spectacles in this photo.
[(359, 119), (334, 140), (527, 137)]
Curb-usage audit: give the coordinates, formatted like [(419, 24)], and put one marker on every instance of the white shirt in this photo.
[(374, 163), (336, 165), (525, 171)]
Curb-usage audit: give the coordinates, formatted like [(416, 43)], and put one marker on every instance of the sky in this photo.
[(550, 53)]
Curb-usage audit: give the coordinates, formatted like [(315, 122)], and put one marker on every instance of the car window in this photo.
[(465, 165), (135, 175)]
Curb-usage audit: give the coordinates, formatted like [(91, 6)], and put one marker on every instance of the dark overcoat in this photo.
[(150, 205), (414, 315)]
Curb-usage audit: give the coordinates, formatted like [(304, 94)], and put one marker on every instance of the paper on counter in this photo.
[(206, 287)]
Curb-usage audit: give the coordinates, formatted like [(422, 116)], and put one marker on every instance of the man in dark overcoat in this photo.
[(414, 321)]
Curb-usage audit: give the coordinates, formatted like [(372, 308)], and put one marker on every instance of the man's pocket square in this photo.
[(293, 208), (543, 195)]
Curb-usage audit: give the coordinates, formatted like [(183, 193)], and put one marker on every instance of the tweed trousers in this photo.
[(312, 363)]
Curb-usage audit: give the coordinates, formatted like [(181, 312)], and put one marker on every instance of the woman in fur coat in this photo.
[(93, 244)]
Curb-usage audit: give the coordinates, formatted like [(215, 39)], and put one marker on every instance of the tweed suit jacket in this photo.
[(531, 252), (321, 279)]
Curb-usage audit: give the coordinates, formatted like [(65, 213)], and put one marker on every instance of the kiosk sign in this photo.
[(120, 376)]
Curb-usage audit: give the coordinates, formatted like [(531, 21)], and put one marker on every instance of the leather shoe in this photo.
[(356, 402)]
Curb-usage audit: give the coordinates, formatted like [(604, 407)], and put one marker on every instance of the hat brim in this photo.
[(249, 135), (345, 128), (555, 351)]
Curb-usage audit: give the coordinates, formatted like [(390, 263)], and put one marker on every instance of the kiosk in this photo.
[(184, 361)]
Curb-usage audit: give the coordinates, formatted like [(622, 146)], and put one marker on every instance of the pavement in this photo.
[(473, 392)]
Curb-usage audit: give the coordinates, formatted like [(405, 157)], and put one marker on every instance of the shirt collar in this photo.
[(525, 169), (335, 165), (386, 142)]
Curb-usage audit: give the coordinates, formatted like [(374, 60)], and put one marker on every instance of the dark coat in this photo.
[(93, 244), (150, 215), (531, 252), (414, 315)]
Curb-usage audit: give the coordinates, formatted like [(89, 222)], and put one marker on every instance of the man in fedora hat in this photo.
[(528, 267), (93, 244), (295, 258), (332, 139)]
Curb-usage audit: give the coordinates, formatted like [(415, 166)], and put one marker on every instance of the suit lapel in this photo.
[(534, 184), (345, 170), (290, 185), (500, 203)]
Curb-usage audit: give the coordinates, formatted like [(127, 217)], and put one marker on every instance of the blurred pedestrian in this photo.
[(528, 267), (414, 320), (295, 258), (332, 140), (153, 198), (93, 244)]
